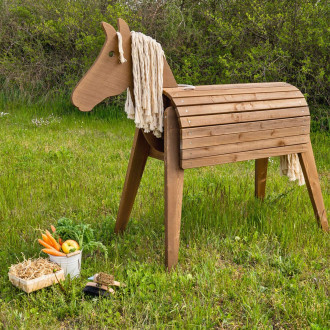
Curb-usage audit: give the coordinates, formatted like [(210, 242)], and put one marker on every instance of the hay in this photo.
[(104, 278), (30, 269)]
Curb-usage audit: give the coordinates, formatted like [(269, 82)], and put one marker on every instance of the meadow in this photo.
[(243, 263)]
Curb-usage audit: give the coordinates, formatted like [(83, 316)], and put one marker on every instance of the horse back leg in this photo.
[(137, 162), (260, 177), (309, 169)]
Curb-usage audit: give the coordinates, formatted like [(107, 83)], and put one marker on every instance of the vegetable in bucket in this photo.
[(67, 242)]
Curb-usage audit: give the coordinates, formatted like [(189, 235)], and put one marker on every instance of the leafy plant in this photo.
[(80, 232)]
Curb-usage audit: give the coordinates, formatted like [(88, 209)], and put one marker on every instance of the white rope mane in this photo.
[(148, 67)]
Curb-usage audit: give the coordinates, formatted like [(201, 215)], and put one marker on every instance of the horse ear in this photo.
[(123, 27), (108, 29)]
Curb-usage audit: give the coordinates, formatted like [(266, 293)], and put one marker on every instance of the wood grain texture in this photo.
[(239, 117), (173, 188), (308, 166), (240, 156), (243, 146), (139, 155), (210, 131), (154, 142), (107, 76), (243, 137), (261, 166), (209, 109), (169, 91), (230, 98), (153, 153), (180, 92)]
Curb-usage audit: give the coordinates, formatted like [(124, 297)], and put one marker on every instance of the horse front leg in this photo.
[(139, 155), (173, 188)]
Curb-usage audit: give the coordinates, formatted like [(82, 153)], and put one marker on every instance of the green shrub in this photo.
[(48, 45)]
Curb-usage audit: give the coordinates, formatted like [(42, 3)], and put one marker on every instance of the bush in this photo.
[(48, 45)]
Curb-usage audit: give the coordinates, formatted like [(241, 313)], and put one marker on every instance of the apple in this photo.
[(70, 246)]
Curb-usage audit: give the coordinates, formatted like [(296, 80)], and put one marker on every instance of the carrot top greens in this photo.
[(82, 233)]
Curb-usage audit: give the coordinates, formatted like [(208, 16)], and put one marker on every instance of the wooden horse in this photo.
[(209, 125)]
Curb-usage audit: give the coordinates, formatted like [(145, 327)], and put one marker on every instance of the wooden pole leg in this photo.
[(138, 159), (308, 166), (173, 188), (260, 177)]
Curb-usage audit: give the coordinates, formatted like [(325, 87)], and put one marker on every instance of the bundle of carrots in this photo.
[(52, 246)]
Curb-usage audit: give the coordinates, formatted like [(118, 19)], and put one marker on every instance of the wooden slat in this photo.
[(236, 117), (242, 146), (243, 137), (195, 132), (208, 109), (216, 99), (233, 91), (231, 86), (241, 156)]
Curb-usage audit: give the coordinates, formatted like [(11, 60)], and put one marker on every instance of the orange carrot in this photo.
[(53, 241), (60, 241), (46, 239), (46, 245), (53, 228), (53, 252)]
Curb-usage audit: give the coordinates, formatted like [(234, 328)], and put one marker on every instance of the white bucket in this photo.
[(71, 264)]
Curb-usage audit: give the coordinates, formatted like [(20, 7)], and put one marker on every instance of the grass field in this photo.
[(242, 263)]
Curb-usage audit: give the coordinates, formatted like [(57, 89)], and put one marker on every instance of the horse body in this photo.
[(206, 126)]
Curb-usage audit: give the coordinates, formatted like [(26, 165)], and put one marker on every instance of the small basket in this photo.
[(37, 283), (71, 263)]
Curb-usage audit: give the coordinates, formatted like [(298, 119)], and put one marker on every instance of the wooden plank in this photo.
[(309, 169), (230, 98), (237, 117), (154, 153), (243, 146), (241, 156), (229, 86), (244, 137), (208, 109), (173, 188), (234, 91), (261, 166), (196, 132), (137, 161)]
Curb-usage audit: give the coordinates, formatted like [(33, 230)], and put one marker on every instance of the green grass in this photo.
[(242, 262)]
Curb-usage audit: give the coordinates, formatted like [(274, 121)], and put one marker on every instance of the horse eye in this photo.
[(112, 53)]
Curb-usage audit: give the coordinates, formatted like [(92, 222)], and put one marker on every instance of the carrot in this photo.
[(60, 241), (53, 228), (46, 245), (53, 252), (53, 241), (46, 239)]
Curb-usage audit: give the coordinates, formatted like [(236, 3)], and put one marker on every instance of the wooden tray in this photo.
[(37, 283)]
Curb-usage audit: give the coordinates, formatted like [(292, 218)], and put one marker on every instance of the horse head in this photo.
[(108, 76)]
